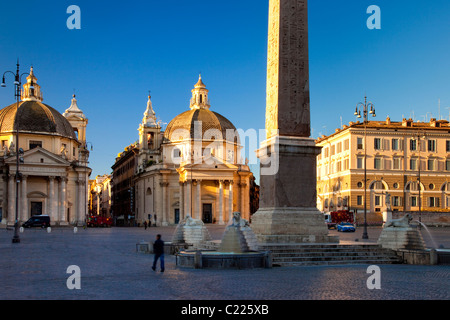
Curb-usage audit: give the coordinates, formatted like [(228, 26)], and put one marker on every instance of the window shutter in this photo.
[(423, 144), (386, 145)]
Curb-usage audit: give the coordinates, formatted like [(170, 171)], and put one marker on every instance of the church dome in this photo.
[(187, 120), (33, 116), (198, 117)]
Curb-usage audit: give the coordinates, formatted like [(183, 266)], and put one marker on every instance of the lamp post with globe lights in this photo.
[(367, 108), (19, 152)]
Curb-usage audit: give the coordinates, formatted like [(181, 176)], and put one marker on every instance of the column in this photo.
[(24, 199), (11, 200), (80, 212), (181, 201), (221, 202), (163, 217), (199, 200), (188, 197), (51, 200), (243, 185), (230, 196), (62, 200)]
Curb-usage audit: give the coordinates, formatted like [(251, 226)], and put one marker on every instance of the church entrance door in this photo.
[(177, 216), (36, 208), (207, 213)]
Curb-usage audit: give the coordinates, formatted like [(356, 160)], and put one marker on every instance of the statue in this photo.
[(12, 148), (190, 222), (238, 221), (388, 200), (63, 151), (400, 223)]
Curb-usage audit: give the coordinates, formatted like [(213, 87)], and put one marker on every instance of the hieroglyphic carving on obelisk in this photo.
[(288, 99)]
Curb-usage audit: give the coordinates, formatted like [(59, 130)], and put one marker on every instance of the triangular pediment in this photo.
[(210, 162), (39, 156)]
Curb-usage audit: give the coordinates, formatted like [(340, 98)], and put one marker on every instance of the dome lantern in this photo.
[(199, 98), (31, 90)]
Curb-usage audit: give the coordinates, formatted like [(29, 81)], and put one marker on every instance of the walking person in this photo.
[(145, 225), (158, 250)]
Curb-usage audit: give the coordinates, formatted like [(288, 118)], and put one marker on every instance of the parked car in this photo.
[(42, 221), (345, 227)]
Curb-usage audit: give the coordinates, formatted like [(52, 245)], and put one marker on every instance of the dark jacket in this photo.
[(158, 247)]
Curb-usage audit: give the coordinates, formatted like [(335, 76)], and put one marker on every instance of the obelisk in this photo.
[(288, 212)]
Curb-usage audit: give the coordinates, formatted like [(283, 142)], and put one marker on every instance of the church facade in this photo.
[(53, 169), (192, 168)]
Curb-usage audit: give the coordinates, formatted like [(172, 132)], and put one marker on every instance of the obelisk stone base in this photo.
[(291, 225), (288, 212)]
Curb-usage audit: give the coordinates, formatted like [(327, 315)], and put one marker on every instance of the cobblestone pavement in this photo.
[(112, 270)]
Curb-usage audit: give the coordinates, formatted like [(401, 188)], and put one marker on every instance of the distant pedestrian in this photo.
[(155, 219), (145, 225), (149, 220), (158, 250)]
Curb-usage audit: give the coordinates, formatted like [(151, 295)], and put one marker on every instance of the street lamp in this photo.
[(366, 111), (85, 156), (418, 138), (17, 94)]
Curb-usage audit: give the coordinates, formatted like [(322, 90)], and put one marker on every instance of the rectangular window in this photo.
[(433, 202), (447, 145), (413, 164), (360, 163), (447, 165), (359, 200), (396, 201), (377, 144), (397, 164), (413, 201), (346, 144), (377, 163), (35, 144), (377, 201), (395, 145), (339, 147), (333, 150), (431, 145), (431, 166), (360, 143), (413, 145)]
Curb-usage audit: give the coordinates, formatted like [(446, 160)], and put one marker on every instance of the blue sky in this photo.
[(125, 49)]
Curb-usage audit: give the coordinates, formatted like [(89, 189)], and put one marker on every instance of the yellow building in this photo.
[(53, 167), (100, 196), (401, 156)]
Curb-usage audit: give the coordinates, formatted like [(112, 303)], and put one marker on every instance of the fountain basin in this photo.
[(223, 260)]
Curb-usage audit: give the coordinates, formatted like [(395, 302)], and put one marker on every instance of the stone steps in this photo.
[(322, 254), (329, 254)]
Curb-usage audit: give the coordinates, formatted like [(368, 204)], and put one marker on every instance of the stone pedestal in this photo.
[(238, 239), (291, 225), (288, 195), (193, 235), (401, 238), (387, 216)]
